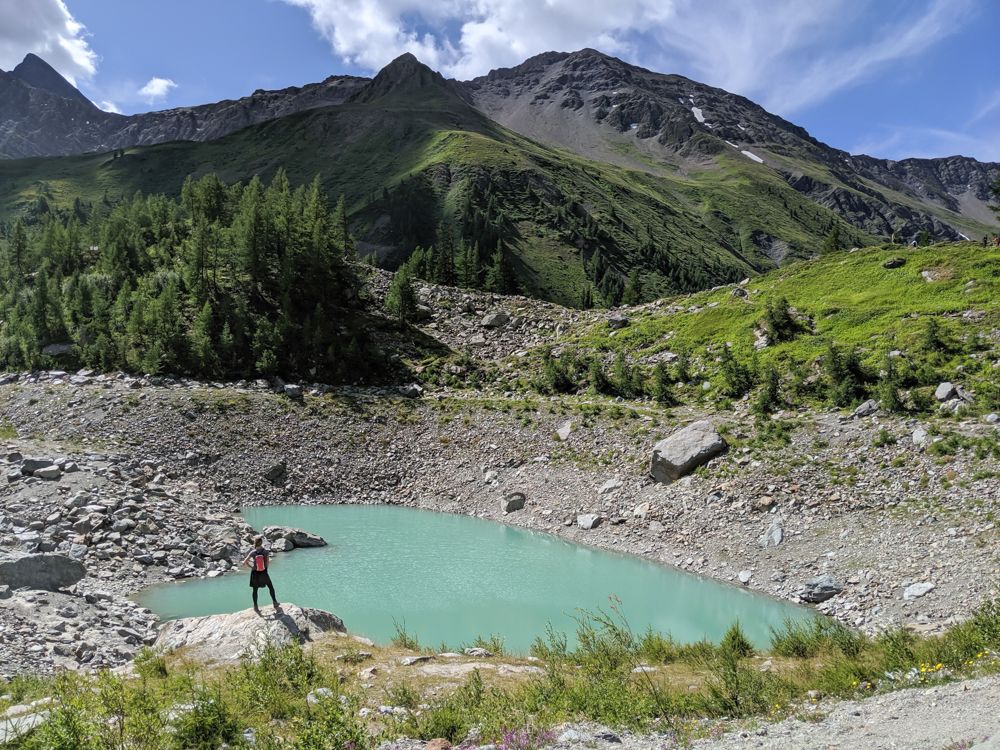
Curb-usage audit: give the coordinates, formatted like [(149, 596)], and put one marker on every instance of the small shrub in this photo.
[(736, 641), (334, 726), (150, 664), (494, 644), (209, 723), (885, 438), (353, 656), (403, 695), (402, 639), (445, 720)]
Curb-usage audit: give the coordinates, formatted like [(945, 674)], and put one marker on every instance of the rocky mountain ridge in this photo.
[(603, 108), (735, 189), (41, 118)]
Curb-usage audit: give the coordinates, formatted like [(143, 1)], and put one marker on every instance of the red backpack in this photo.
[(258, 561)]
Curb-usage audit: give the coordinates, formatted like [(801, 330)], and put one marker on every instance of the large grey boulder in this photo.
[(276, 472), (821, 588), (412, 390), (866, 409), (45, 571), (616, 322), (495, 320), (226, 638), (30, 465), (297, 537), (48, 472), (588, 521), (945, 391), (513, 502), (684, 451)]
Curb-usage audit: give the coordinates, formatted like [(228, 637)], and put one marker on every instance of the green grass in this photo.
[(172, 705), (849, 297)]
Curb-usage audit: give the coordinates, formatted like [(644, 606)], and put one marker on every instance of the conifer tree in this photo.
[(500, 277), (18, 247), (832, 242), (401, 299), (444, 257), (662, 386), (633, 290), (343, 240)]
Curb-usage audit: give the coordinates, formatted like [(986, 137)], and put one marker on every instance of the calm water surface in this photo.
[(455, 577)]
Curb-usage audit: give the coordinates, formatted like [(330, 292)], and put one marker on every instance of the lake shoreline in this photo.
[(413, 563), (198, 453)]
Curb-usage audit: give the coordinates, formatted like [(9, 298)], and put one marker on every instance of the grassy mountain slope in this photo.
[(937, 314), (605, 109), (409, 130)]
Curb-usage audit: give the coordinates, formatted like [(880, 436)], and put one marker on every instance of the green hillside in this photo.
[(841, 329), (412, 153)]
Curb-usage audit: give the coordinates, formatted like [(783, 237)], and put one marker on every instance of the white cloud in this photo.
[(786, 54), (46, 28), (483, 33), (110, 107), (156, 89)]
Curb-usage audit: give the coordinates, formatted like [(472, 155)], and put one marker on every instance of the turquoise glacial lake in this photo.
[(453, 577)]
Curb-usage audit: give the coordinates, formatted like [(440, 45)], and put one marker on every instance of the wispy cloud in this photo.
[(990, 105), (786, 54), (789, 55), (46, 28), (156, 90), (902, 142)]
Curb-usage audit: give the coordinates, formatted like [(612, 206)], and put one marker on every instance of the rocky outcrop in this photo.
[(226, 638), (684, 451), (41, 571)]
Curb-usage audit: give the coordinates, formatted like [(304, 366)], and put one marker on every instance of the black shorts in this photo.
[(259, 579)]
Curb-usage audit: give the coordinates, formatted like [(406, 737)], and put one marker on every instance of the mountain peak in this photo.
[(405, 74), (37, 73)]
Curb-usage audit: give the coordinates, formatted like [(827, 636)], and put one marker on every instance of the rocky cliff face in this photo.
[(603, 108), (40, 117)]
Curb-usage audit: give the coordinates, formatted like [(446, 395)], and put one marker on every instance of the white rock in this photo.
[(916, 590)]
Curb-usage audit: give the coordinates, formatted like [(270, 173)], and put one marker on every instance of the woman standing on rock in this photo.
[(257, 561)]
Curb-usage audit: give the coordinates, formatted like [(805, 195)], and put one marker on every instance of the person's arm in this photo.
[(246, 560), (267, 559)]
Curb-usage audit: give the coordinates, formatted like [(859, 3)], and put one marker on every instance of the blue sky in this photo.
[(890, 78)]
